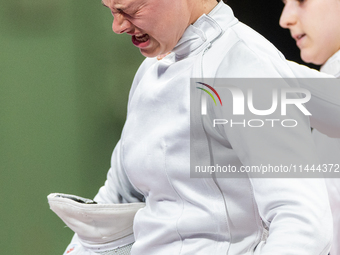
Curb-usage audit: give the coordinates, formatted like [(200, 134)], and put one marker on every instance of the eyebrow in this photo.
[(121, 8)]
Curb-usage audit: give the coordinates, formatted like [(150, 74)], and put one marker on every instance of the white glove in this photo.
[(99, 228)]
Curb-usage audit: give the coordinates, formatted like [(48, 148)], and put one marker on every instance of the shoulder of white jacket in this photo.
[(302, 71), (255, 41), (251, 55), (146, 64), (243, 61)]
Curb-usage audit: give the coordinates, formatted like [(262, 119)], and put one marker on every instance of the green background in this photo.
[(64, 83)]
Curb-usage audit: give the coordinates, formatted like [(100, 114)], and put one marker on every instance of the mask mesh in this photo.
[(124, 250)]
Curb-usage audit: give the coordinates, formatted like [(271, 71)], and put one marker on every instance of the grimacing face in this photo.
[(315, 25), (154, 25)]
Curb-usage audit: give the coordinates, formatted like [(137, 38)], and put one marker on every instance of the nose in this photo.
[(120, 24), (289, 15)]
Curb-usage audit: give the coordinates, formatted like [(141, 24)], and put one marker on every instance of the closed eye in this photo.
[(128, 12)]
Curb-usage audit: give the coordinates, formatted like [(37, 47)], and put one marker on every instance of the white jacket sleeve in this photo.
[(117, 188), (325, 102), (297, 214), (295, 210)]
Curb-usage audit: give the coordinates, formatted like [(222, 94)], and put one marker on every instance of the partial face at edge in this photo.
[(315, 25), (155, 25)]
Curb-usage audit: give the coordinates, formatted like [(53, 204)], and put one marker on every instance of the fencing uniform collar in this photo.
[(332, 65), (204, 31)]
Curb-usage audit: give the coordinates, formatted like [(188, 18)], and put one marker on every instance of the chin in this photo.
[(307, 58), (150, 53), (315, 59)]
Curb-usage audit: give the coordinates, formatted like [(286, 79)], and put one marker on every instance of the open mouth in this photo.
[(140, 40), (300, 36)]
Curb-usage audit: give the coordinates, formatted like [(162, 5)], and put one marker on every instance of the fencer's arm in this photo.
[(297, 214), (325, 101), (296, 210), (117, 188), (324, 107), (116, 195)]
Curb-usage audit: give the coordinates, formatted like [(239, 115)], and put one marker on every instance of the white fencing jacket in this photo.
[(217, 216), (329, 153)]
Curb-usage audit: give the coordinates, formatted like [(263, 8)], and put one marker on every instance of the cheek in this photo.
[(331, 44), (319, 49), (328, 37), (166, 34), (317, 34), (324, 23), (163, 27)]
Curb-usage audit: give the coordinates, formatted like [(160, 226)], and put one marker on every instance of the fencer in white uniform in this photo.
[(151, 161), (329, 152), (314, 25)]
